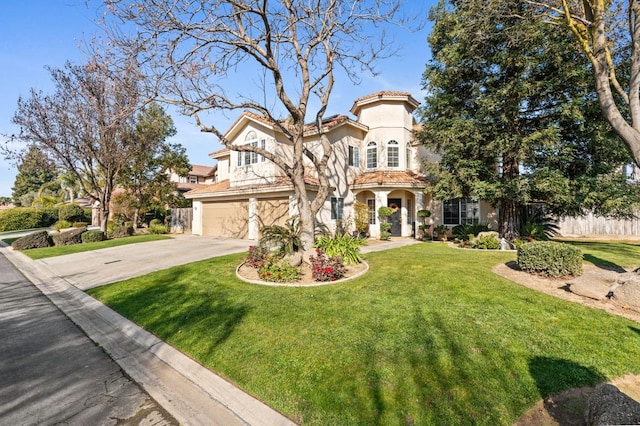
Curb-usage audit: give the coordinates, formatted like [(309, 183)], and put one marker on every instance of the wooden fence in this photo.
[(590, 225), (181, 220)]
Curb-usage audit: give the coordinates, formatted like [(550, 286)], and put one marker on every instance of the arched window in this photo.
[(409, 156), (251, 157), (393, 154), (372, 155)]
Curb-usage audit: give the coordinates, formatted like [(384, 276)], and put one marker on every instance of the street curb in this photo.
[(188, 391)]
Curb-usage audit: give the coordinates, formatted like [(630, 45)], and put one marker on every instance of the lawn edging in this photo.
[(315, 284)]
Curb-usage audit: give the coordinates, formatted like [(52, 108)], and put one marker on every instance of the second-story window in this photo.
[(372, 155), (354, 156), (248, 157), (393, 154), (193, 179), (409, 156)]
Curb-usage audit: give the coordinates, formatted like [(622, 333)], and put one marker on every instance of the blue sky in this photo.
[(39, 33)]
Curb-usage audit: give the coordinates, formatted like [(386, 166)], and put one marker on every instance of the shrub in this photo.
[(154, 229), (257, 256), (486, 242), (441, 231), (345, 246), (93, 236), (49, 215), (361, 217), (463, 232), (550, 258), (68, 238), (61, 224), (155, 222), (19, 218), (80, 224), (38, 239), (278, 270), (326, 269), (119, 231), (71, 212), (285, 238)]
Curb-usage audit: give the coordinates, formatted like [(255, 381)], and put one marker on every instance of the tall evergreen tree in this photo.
[(146, 175), (510, 110), (34, 170)]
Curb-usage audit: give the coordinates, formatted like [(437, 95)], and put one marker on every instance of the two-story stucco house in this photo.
[(375, 161)]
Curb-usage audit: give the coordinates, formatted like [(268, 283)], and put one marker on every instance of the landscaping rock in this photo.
[(608, 406), (594, 285), (294, 259), (38, 239), (67, 238), (627, 292)]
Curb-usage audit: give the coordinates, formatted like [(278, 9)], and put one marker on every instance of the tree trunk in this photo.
[(509, 219)]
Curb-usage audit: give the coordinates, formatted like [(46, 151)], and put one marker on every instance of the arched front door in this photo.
[(396, 217)]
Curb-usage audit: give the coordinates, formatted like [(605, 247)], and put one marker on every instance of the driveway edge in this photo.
[(191, 393)]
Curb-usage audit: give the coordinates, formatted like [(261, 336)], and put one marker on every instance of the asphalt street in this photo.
[(52, 373)]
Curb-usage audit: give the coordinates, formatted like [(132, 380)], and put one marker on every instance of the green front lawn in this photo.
[(42, 253), (429, 336)]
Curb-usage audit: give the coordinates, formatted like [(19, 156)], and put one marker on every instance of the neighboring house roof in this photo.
[(204, 171), (388, 178), (187, 186), (223, 188)]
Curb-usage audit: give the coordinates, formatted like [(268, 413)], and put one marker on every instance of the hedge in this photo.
[(38, 239), (19, 218), (550, 258), (68, 238), (71, 213), (93, 236)]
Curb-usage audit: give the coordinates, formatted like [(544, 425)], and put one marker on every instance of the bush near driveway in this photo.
[(38, 239)]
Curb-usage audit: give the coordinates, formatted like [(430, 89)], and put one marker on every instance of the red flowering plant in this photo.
[(326, 269), (257, 256), (278, 271)]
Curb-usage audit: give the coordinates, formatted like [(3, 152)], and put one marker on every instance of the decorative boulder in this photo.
[(593, 285), (608, 406), (294, 259), (627, 292), (489, 233), (38, 239), (67, 238)]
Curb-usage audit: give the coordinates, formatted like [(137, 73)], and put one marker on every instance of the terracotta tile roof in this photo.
[(327, 123), (188, 186), (389, 177), (204, 171), (213, 187), (224, 186), (219, 152), (382, 93)]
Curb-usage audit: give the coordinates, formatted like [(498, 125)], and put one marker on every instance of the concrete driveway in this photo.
[(99, 267)]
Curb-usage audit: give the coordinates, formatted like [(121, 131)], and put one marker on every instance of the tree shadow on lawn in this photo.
[(603, 264), (180, 313), (565, 387)]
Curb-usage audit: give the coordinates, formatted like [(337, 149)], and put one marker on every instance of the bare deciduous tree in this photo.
[(83, 125), (608, 32), (295, 48)]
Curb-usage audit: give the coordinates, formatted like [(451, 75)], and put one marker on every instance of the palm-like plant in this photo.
[(537, 224), (286, 238)]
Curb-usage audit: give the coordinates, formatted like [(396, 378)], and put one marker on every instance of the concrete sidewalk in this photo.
[(189, 392)]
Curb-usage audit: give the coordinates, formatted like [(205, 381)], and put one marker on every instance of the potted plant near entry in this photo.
[(424, 215), (385, 226), (361, 219)]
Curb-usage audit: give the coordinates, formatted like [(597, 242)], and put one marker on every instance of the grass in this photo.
[(429, 336), (613, 255), (42, 253)]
